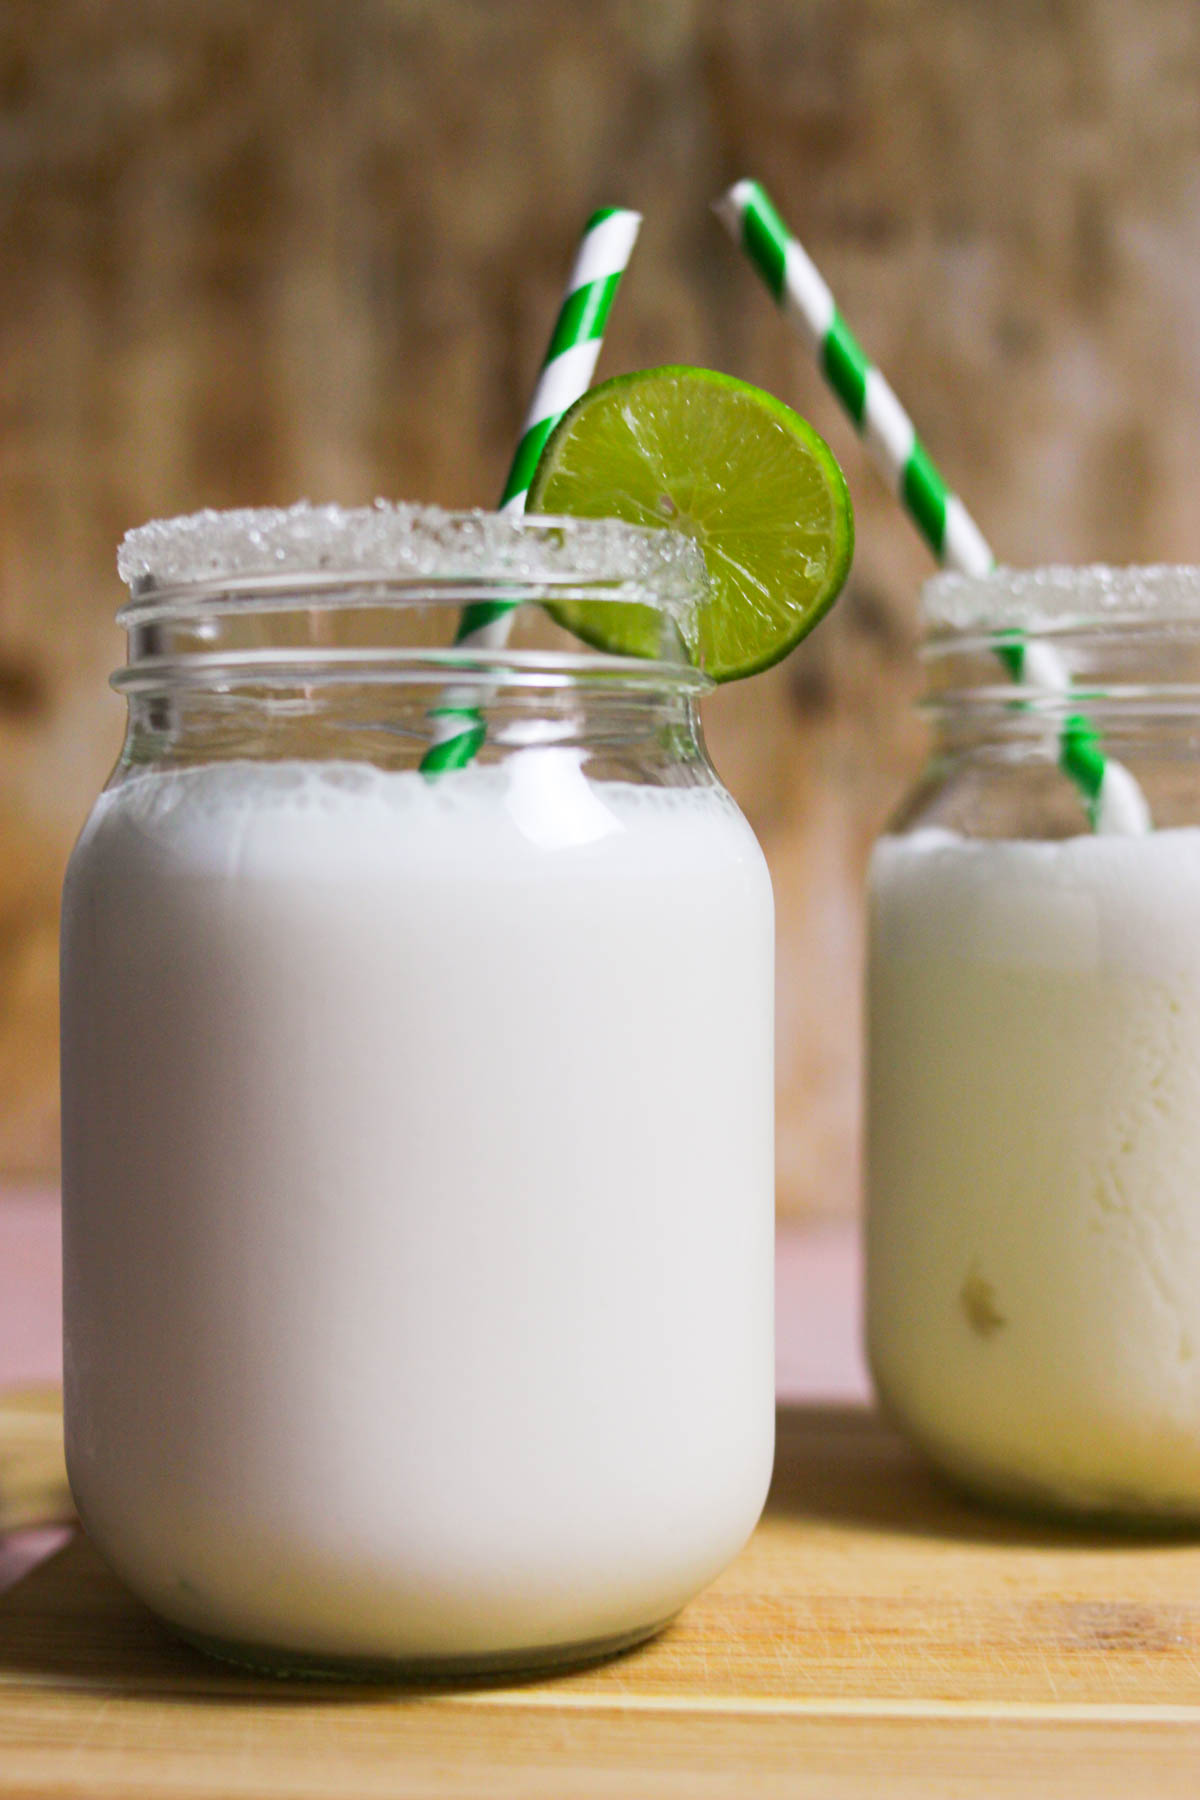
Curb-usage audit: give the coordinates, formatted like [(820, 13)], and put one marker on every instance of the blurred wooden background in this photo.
[(253, 252)]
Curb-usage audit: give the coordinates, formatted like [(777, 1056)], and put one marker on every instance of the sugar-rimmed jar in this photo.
[(1033, 1194), (418, 1152)]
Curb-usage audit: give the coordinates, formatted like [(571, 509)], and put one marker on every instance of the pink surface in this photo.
[(30, 1333), (30, 1301), (818, 1313), (818, 1354), (24, 1550)]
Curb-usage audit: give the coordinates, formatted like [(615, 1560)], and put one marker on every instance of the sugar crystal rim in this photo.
[(408, 542), (1061, 595)]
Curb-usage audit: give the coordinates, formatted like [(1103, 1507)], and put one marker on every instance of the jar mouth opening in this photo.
[(1061, 598), (394, 550)]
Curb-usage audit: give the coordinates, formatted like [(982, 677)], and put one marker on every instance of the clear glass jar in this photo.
[(418, 1153), (1033, 1137)]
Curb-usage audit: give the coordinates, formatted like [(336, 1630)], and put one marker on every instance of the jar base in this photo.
[(300, 1665), (1096, 1505), (1096, 1508)]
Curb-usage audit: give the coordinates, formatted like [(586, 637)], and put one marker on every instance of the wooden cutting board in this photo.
[(877, 1637)]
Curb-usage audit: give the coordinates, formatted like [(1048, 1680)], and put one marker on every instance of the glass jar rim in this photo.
[(1061, 597), (175, 563), (198, 582)]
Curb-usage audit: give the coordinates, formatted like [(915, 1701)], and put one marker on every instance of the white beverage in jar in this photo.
[(1034, 1162), (418, 1165)]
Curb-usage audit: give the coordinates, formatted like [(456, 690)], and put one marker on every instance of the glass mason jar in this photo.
[(418, 1151), (1033, 1201)]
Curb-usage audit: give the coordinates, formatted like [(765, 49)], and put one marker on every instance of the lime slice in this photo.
[(735, 469)]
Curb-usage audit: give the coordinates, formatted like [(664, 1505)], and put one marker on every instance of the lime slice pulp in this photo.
[(737, 470)]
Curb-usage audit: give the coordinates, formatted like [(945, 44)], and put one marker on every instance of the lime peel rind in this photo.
[(735, 469)]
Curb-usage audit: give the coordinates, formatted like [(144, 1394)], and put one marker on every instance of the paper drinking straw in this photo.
[(1114, 801), (566, 373)]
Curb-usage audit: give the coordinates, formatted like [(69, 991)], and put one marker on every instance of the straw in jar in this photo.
[(1112, 798), (566, 373)]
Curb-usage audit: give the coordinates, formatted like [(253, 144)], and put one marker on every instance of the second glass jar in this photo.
[(1033, 1139)]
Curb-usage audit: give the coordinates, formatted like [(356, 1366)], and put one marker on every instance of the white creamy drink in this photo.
[(418, 1170), (1034, 1161)]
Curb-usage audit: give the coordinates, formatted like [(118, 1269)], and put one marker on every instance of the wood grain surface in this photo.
[(878, 1636)]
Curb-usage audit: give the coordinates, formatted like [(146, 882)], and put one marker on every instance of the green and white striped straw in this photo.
[(566, 373), (1114, 801)]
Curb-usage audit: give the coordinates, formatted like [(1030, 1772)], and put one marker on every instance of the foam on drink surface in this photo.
[(240, 817)]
